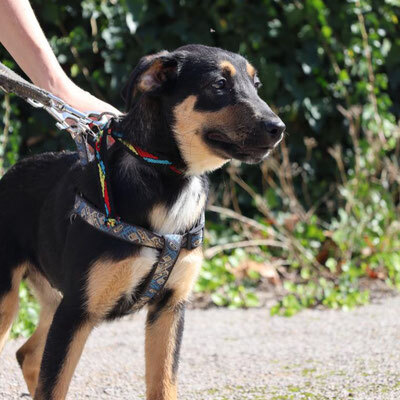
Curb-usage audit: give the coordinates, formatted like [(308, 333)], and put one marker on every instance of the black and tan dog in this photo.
[(197, 106)]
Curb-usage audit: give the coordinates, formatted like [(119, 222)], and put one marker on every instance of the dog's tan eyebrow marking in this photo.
[(250, 70), (228, 67)]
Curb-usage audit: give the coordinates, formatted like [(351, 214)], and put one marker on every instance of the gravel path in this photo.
[(246, 355)]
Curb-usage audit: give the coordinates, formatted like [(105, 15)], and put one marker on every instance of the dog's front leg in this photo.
[(67, 336), (164, 328)]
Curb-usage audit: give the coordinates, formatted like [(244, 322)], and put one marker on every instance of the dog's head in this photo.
[(209, 97)]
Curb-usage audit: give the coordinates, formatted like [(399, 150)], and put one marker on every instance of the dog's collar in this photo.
[(144, 155), (136, 151), (100, 146)]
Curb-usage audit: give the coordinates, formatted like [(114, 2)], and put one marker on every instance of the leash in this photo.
[(77, 123), (95, 127)]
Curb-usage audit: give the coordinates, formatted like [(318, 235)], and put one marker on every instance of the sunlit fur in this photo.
[(196, 107)]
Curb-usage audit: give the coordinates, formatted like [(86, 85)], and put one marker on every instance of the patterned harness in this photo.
[(169, 245)]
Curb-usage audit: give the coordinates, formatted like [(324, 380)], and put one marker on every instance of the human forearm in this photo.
[(24, 39), (22, 36)]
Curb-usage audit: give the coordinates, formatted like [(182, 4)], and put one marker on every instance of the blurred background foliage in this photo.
[(319, 218)]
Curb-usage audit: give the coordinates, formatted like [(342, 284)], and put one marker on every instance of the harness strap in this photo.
[(163, 268), (81, 146), (170, 244), (120, 230), (135, 234)]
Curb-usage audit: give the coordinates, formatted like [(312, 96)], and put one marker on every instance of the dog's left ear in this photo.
[(153, 74)]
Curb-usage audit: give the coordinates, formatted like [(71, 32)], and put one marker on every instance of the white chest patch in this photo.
[(184, 212), (181, 217)]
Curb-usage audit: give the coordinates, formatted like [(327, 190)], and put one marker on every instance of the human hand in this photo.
[(78, 98)]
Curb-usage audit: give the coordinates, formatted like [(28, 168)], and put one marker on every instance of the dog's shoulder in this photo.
[(34, 177), (50, 162)]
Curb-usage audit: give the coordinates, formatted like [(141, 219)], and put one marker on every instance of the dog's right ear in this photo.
[(151, 75)]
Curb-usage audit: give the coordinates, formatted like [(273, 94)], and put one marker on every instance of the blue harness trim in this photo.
[(170, 245), (81, 147)]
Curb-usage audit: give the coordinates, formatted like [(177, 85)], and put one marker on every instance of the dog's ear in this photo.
[(153, 74)]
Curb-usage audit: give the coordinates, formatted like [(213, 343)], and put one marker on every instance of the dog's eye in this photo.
[(220, 84), (257, 83)]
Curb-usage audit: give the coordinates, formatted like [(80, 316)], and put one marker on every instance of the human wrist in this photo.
[(48, 73), (61, 86), (52, 78), (80, 99)]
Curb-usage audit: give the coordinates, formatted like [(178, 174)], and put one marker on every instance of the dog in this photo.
[(198, 106)]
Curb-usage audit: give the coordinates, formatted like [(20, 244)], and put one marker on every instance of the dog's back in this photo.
[(23, 191)]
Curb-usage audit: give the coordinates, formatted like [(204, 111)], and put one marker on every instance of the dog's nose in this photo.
[(274, 128)]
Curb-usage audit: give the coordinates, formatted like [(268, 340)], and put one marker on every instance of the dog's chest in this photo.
[(177, 218), (183, 213)]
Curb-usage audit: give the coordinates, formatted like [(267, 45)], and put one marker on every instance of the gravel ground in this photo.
[(246, 355)]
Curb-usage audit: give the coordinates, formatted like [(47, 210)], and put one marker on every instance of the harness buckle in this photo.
[(194, 237)]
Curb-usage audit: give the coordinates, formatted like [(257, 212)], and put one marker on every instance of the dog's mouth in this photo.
[(227, 148)]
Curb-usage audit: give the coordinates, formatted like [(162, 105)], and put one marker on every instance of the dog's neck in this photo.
[(146, 126), (138, 186)]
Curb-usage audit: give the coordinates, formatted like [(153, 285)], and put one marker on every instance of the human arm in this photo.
[(22, 36)]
